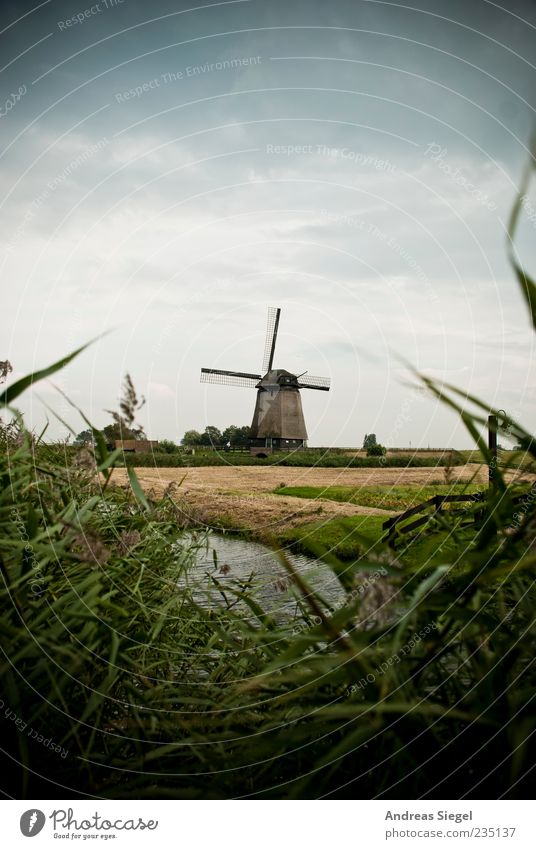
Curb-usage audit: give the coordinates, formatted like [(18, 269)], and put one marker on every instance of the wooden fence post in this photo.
[(492, 445)]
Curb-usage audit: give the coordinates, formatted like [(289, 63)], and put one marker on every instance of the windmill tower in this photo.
[(278, 423)]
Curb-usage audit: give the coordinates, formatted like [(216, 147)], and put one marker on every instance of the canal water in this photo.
[(225, 563)]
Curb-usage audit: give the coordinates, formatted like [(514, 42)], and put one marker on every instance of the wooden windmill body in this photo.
[(278, 423)]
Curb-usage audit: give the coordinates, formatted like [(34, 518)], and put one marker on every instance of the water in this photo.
[(232, 562)]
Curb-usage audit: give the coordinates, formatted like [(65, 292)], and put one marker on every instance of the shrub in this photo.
[(166, 446), (376, 450)]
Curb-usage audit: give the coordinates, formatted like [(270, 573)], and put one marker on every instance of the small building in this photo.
[(137, 446)]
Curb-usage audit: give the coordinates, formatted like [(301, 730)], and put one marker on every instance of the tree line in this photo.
[(237, 437)]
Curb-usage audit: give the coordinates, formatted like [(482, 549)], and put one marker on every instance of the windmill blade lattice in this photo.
[(311, 381), (271, 336), (229, 378)]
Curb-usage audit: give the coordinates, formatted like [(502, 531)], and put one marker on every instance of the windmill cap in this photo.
[(280, 375)]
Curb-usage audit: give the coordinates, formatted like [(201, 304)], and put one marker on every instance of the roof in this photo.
[(136, 444)]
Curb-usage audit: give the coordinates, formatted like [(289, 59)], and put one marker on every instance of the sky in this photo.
[(171, 170)]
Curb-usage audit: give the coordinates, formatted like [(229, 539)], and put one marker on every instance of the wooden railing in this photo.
[(392, 525), (395, 530)]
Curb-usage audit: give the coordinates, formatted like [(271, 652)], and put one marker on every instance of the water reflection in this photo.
[(223, 564)]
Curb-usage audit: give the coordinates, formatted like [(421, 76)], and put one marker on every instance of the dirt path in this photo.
[(243, 495)]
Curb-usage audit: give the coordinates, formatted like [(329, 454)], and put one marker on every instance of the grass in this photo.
[(352, 537), (346, 538), (146, 692), (509, 458), (334, 460), (397, 498)]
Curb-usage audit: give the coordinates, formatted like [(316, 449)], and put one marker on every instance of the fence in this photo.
[(210, 449), (436, 502)]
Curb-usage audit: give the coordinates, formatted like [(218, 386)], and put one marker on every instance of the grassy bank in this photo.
[(347, 538), (351, 537)]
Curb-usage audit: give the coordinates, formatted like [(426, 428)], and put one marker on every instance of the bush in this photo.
[(166, 446), (376, 450)]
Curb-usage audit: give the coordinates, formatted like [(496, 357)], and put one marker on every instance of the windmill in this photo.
[(278, 423)]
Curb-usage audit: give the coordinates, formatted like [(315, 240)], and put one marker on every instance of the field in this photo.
[(267, 501)]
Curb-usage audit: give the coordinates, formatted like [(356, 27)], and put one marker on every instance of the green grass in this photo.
[(352, 537), (329, 460), (423, 552), (346, 538), (508, 459), (397, 498)]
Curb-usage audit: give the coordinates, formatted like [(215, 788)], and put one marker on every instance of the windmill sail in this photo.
[(230, 378), (310, 381), (271, 336)]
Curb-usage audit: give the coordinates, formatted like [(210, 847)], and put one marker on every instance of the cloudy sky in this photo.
[(170, 170)]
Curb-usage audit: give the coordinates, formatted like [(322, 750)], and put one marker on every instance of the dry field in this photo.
[(243, 495)]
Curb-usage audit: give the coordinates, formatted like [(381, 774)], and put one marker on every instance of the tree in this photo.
[(244, 435), (211, 436), (230, 435), (192, 437), (85, 437), (166, 446), (237, 436), (376, 450), (369, 440), (117, 430)]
